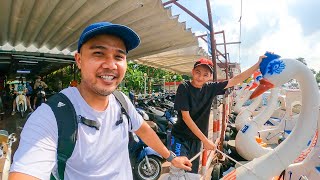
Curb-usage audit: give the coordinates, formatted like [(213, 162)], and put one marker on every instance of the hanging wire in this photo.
[(230, 158), (242, 165), (240, 31)]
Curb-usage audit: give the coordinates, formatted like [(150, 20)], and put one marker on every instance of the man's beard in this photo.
[(101, 91)]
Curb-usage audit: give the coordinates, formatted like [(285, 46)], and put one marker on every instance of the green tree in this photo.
[(313, 71), (65, 75), (302, 60), (134, 79), (318, 77), (305, 63)]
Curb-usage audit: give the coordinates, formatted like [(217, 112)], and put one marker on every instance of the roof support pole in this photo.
[(209, 27), (193, 15), (225, 56), (215, 76), (169, 2)]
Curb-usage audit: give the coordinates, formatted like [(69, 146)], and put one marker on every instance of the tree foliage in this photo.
[(134, 79), (62, 77), (138, 74), (313, 71), (302, 60), (318, 77)]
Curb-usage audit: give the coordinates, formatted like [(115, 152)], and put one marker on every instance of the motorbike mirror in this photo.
[(12, 137)]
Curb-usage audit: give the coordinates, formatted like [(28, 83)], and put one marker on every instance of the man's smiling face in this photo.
[(102, 61)]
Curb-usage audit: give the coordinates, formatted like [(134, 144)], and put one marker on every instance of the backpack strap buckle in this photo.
[(88, 122)]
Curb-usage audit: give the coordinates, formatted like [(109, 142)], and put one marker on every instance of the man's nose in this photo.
[(202, 78), (109, 63)]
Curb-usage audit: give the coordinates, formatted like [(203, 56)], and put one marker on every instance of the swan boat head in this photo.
[(276, 72)]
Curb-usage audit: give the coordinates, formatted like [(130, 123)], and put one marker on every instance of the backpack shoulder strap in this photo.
[(124, 105), (121, 99), (67, 122)]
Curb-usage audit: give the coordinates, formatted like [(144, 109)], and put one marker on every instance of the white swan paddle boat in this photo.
[(277, 72)]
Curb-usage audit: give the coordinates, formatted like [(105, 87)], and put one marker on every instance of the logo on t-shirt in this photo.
[(60, 104)]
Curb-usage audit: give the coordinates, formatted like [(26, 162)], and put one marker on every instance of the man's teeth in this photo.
[(109, 78)]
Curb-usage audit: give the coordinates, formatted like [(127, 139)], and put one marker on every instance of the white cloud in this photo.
[(267, 25)]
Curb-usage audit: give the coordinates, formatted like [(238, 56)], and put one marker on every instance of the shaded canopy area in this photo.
[(178, 60), (28, 64), (54, 26)]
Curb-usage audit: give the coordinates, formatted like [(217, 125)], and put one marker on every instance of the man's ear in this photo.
[(77, 57), (192, 71)]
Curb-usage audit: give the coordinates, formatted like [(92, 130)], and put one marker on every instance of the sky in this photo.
[(290, 28)]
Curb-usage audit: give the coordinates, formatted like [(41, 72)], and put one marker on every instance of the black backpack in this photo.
[(68, 129)]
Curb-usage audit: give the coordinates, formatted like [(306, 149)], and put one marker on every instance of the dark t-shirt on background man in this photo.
[(198, 102)]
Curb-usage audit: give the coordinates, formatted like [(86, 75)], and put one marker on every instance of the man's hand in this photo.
[(209, 145), (260, 59), (182, 162)]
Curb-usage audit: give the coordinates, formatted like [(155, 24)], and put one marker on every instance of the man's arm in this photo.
[(148, 136), (37, 151), (19, 176), (196, 131), (44, 85), (244, 75)]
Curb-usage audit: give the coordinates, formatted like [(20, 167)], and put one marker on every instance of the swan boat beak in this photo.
[(264, 86), (254, 85)]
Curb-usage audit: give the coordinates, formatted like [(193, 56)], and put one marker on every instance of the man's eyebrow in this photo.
[(122, 51), (104, 48), (97, 47)]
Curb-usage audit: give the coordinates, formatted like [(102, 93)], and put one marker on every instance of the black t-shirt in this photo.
[(198, 102)]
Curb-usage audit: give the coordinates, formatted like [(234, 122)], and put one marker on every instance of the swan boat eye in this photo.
[(276, 67)]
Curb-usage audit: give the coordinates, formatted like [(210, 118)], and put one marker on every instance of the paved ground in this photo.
[(12, 124)]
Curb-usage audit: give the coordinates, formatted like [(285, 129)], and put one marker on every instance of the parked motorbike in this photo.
[(1, 109), (41, 98), (145, 162), (21, 102), (164, 118)]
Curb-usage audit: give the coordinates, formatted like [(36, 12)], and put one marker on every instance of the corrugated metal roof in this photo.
[(58, 24)]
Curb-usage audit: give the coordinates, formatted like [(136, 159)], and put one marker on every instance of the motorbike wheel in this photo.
[(216, 172), (142, 172), (1, 109), (227, 136), (21, 108), (1, 105)]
